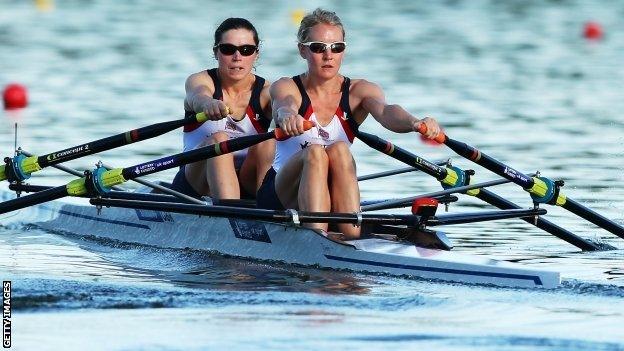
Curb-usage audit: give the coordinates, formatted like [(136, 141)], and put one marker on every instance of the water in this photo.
[(513, 78)]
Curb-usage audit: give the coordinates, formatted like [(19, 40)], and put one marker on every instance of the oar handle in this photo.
[(201, 117), (422, 129), (281, 136)]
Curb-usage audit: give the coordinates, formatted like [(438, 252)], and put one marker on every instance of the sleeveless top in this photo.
[(342, 126), (253, 122)]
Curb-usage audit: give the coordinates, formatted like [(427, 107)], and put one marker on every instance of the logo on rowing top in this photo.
[(322, 133), (229, 124), (304, 145)]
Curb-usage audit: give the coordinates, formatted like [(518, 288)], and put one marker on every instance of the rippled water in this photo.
[(513, 78)]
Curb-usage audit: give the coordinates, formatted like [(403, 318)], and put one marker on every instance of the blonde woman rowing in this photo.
[(314, 170)]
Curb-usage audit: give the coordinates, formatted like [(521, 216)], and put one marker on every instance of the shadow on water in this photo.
[(210, 270), (499, 342), (37, 294), (174, 278)]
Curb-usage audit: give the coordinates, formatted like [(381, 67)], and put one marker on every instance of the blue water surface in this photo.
[(515, 79)]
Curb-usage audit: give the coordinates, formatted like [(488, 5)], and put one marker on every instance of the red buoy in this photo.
[(592, 30), (15, 96)]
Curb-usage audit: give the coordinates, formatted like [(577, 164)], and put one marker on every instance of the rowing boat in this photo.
[(401, 245), (277, 242)]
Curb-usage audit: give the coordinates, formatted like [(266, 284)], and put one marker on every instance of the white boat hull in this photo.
[(275, 242)]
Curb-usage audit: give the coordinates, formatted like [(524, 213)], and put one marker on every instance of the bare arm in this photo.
[(199, 90), (285, 99), (392, 117)]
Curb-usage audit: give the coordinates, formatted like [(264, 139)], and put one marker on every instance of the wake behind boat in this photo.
[(279, 242)]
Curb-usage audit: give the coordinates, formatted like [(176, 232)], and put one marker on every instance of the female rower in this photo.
[(237, 103), (314, 170)]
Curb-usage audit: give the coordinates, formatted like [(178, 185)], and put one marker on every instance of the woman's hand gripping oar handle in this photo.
[(281, 136), (422, 129)]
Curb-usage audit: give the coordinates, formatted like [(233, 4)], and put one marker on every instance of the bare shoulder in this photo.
[(283, 86), (283, 82), (365, 97), (201, 78), (364, 88)]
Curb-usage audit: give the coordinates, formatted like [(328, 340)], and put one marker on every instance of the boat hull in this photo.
[(275, 242)]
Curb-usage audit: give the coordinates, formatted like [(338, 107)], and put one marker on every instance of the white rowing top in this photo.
[(340, 128)]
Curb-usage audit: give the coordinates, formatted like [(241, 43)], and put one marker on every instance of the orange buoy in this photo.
[(15, 96)]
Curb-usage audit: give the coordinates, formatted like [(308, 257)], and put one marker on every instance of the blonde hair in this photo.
[(317, 16)]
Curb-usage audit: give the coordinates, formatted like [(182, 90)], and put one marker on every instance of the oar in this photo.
[(443, 199), (393, 172), (407, 201), (21, 167), (66, 169), (442, 173), (386, 173), (140, 181), (542, 189), (100, 180), (162, 189), (297, 217)]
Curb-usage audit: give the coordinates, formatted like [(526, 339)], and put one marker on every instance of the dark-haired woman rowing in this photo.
[(237, 103)]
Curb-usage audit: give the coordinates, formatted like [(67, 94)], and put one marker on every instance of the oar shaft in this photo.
[(140, 181), (261, 214), (69, 170), (408, 200), (35, 163), (535, 186), (163, 189), (390, 149), (486, 216), (386, 173), (593, 217), (490, 163), (291, 216), (541, 223), (33, 199), (187, 157), (489, 196), (100, 181), (394, 172), (111, 142)]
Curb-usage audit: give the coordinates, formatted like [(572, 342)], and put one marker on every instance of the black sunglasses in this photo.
[(230, 49), (318, 47)]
